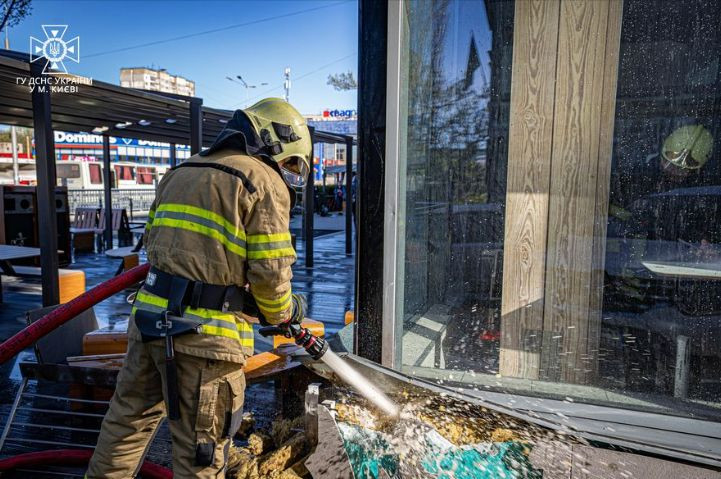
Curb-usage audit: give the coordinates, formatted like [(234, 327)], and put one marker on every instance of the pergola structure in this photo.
[(108, 110), (319, 136)]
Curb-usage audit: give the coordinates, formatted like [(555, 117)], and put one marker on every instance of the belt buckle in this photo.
[(164, 325)]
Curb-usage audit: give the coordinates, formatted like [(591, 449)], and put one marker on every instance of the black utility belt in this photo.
[(182, 293), (160, 325), (185, 292)]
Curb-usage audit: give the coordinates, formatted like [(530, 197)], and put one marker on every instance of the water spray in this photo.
[(319, 350)]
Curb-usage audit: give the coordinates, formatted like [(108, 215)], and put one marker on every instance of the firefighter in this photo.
[(218, 241), (651, 214), (686, 149)]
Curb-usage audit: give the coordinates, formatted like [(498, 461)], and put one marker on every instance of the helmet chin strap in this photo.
[(273, 164)]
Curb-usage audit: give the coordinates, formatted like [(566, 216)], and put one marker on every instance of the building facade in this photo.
[(329, 159), (156, 80), (6, 148), (540, 199)]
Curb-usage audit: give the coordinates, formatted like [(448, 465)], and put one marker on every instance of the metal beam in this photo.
[(349, 210), (308, 209), (173, 155), (108, 202), (372, 63), (46, 177), (196, 125)]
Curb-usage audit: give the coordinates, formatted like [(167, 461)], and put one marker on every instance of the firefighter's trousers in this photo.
[(211, 398)]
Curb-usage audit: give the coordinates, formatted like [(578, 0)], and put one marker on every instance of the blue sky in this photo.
[(313, 44)]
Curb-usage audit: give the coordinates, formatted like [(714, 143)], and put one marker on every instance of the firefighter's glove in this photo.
[(299, 308)]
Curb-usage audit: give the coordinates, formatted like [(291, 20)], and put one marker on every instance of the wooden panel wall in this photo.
[(605, 152), (556, 210), (574, 180), (535, 41)]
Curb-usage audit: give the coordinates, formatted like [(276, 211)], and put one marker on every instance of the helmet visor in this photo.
[(295, 171), (682, 159)]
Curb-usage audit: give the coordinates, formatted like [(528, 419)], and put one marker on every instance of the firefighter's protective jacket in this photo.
[(207, 225)]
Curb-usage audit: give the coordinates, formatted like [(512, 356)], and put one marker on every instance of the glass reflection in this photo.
[(458, 67), (659, 344), (662, 294)]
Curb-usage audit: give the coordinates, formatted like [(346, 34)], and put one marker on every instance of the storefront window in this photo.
[(626, 301), (661, 321), (455, 96)]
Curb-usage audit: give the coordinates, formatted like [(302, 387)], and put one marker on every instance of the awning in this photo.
[(101, 107)]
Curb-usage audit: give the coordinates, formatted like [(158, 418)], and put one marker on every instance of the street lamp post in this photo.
[(245, 86)]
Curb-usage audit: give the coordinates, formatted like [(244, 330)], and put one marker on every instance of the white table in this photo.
[(122, 252), (701, 270), (680, 269), (10, 252)]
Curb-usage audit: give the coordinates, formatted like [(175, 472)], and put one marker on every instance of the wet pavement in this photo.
[(328, 286)]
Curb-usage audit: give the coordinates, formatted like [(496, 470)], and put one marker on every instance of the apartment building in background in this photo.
[(156, 80)]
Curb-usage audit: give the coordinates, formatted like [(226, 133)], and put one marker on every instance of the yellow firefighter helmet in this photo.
[(688, 147), (285, 133)]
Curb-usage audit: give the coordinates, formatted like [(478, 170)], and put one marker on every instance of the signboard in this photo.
[(65, 138), (343, 127), (340, 114)]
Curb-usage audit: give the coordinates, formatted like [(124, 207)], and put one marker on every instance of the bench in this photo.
[(119, 223), (423, 339), (83, 229), (90, 222)]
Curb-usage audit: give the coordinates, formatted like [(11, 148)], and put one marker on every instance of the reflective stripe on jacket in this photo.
[(206, 226), (217, 323)]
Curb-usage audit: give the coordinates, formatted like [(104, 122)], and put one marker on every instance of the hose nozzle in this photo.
[(314, 345)]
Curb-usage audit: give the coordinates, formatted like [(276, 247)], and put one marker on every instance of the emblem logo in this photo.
[(54, 48)]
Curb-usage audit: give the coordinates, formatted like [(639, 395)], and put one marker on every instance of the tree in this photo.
[(13, 11), (343, 81)]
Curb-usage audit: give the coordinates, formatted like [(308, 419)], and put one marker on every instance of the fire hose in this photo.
[(43, 326), (69, 310), (314, 345), (73, 457)]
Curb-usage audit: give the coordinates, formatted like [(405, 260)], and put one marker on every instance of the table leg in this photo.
[(7, 267), (139, 245), (683, 363)]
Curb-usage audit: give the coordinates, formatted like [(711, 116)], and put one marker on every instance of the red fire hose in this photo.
[(73, 457), (43, 326), (69, 310)]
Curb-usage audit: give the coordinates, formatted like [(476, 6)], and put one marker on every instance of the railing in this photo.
[(135, 201)]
